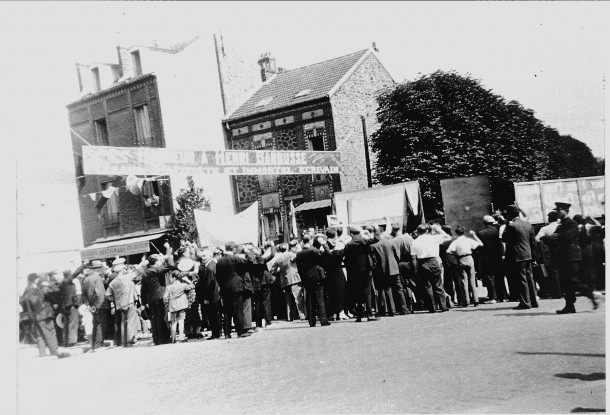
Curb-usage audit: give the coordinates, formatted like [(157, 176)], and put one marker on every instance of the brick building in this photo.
[(174, 97), (326, 106)]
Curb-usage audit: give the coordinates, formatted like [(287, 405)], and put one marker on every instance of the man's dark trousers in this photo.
[(314, 297), (398, 293), (568, 275), (213, 312), (233, 308), (363, 296), (71, 323), (99, 328), (521, 274), (430, 276), (118, 327), (158, 324)]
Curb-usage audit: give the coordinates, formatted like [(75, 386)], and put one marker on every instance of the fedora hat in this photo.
[(96, 264)]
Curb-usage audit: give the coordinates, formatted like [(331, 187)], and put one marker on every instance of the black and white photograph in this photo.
[(255, 207)]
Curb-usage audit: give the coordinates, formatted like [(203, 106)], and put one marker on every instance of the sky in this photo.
[(550, 56)]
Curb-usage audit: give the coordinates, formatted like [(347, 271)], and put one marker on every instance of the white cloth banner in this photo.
[(215, 229)]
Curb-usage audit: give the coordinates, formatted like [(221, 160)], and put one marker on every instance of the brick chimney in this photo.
[(268, 66)]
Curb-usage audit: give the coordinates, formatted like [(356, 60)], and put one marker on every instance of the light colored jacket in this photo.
[(285, 264), (122, 291), (176, 296)]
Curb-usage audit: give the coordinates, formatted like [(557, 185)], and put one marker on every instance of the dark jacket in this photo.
[(566, 235), (94, 292), (207, 288), (333, 261), (37, 302), (309, 264), (520, 239), (153, 285), (357, 264), (67, 291), (230, 270), (386, 257), (491, 251)]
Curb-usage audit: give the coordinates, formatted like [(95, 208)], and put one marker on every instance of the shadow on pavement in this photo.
[(581, 376), (519, 314), (481, 308), (565, 354), (586, 410)]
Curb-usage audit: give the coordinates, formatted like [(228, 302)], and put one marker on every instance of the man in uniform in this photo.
[(569, 256)]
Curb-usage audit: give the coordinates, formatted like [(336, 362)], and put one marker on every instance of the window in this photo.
[(143, 131), (112, 206), (96, 79), (137, 63), (302, 93), (264, 102), (316, 143), (101, 132)]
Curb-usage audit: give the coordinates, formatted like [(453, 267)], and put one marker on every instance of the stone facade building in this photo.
[(174, 97), (326, 106)]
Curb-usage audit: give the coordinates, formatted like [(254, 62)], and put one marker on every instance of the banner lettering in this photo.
[(103, 160)]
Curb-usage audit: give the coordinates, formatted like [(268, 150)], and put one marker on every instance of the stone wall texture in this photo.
[(355, 98)]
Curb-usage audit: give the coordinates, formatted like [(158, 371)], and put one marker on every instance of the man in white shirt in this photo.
[(462, 248), (549, 229), (426, 252)]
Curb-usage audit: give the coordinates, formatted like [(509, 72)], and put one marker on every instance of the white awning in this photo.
[(318, 204), (121, 247)]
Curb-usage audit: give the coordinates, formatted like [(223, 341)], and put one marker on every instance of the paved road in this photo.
[(489, 359)]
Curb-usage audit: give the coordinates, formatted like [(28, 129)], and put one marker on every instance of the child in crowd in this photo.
[(176, 301)]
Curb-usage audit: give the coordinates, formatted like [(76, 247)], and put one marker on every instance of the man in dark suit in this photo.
[(569, 256), (491, 260), (359, 272), (153, 289), (386, 257), (230, 270), (208, 292), (520, 239), (309, 263)]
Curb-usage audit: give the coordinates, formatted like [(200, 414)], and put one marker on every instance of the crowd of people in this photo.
[(352, 272)]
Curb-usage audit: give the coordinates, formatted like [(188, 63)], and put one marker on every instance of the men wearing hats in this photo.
[(122, 292), (359, 272), (283, 263), (118, 265), (68, 306), (491, 260), (230, 271), (309, 265), (94, 295), (569, 255), (520, 240), (36, 301), (152, 291), (385, 259), (208, 292)]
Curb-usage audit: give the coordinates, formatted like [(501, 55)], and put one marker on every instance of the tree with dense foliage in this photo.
[(183, 221), (569, 157), (446, 125)]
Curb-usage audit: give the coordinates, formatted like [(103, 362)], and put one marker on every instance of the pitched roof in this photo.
[(318, 78)]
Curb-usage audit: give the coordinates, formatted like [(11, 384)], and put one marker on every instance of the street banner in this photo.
[(216, 229), (585, 194), (115, 250), (125, 161)]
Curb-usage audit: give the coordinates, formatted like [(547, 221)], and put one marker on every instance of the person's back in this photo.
[(386, 254), (176, 294), (357, 257), (307, 260), (227, 273), (518, 236)]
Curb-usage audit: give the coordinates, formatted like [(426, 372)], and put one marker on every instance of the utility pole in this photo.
[(367, 158)]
